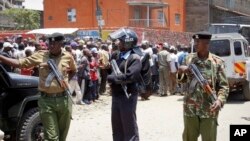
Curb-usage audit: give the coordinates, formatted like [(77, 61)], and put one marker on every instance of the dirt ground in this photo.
[(159, 119)]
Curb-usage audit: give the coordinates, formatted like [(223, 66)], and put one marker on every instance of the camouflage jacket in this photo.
[(197, 101)]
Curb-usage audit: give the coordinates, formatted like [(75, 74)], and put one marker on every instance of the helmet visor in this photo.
[(117, 34)]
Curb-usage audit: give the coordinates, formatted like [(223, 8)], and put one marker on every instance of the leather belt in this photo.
[(61, 94)]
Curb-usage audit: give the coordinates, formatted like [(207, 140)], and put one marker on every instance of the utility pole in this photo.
[(99, 19)]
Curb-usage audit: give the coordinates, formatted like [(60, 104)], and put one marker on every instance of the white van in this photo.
[(234, 49)]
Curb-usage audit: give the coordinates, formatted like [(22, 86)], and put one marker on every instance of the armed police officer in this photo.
[(54, 105), (123, 116), (200, 111)]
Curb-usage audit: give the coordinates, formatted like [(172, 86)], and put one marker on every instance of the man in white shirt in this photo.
[(173, 70)]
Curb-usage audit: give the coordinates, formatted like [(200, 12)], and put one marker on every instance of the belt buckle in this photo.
[(53, 95), (58, 94)]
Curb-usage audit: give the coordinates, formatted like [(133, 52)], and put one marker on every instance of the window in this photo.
[(220, 47), (71, 15), (246, 49), (50, 18), (160, 17), (177, 18), (137, 13), (237, 48)]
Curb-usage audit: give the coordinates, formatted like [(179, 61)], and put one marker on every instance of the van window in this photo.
[(220, 47), (246, 49), (237, 48)]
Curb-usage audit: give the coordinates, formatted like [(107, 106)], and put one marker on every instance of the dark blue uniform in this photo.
[(124, 123)]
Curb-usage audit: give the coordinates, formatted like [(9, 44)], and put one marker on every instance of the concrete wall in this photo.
[(222, 16), (230, 11), (241, 6), (197, 13)]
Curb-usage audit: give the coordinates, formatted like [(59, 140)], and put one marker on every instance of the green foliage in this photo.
[(23, 18)]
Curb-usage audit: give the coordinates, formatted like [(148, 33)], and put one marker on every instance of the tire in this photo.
[(30, 127), (246, 91)]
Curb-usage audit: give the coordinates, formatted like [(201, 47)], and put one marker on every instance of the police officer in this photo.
[(54, 105), (123, 116), (200, 113)]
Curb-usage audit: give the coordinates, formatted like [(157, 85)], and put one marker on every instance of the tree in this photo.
[(23, 18)]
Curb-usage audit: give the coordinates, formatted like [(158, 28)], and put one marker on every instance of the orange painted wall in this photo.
[(116, 13), (58, 10), (177, 6)]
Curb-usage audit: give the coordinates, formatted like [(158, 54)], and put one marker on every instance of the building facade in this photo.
[(6, 22), (163, 14), (200, 13), (7, 4)]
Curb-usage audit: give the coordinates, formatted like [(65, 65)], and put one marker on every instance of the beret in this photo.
[(202, 35), (56, 37)]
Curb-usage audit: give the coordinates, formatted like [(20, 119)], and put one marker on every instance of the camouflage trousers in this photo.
[(55, 113), (195, 126)]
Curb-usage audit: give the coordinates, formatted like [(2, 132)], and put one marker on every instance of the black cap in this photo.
[(56, 37), (202, 35)]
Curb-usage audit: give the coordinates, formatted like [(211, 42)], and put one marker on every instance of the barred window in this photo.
[(71, 14)]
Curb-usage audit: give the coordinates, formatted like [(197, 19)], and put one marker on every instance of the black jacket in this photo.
[(131, 78)]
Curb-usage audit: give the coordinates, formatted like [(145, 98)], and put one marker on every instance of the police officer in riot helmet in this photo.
[(123, 112)]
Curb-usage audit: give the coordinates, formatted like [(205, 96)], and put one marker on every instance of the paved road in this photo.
[(159, 119)]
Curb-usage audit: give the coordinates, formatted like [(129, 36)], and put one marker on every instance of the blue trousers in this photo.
[(123, 117)]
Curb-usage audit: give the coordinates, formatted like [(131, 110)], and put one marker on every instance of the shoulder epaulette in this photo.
[(217, 58)]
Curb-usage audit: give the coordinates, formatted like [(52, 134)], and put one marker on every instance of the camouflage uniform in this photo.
[(197, 116)]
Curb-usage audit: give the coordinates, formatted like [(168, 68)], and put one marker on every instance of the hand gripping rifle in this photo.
[(117, 72), (59, 78), (203, 82)]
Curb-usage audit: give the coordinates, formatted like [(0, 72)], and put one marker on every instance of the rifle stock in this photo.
[(203, 82), (59, 78), (117, 71)]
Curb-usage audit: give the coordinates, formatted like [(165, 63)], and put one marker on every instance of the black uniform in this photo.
[(123, 116)]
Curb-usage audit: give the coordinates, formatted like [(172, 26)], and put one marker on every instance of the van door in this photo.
[(221, 48), (239, 58)]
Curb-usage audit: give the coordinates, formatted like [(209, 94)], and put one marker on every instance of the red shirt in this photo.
[(93, 65)]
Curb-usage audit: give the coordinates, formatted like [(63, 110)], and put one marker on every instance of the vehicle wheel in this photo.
[(30, 127), (246, 91)]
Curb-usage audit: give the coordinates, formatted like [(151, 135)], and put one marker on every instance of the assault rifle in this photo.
[(203, 82), (59, 78), (117, 72)]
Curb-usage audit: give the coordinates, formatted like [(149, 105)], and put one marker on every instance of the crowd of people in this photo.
[(92, 57), (86, 67)]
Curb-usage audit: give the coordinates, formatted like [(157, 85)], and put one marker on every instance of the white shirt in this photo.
[(79, 55), (173, 58)]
